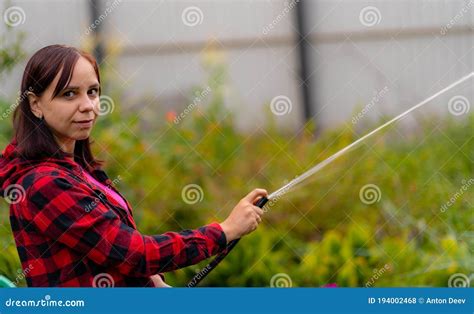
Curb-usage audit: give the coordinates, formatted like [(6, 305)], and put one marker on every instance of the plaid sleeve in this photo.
[(70, 214)]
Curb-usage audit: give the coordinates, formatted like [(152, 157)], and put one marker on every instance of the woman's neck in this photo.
[(66, 144)]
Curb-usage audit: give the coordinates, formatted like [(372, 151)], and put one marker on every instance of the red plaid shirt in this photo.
[(69, 233)]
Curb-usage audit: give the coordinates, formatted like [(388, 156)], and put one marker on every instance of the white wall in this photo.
[(406, 52)]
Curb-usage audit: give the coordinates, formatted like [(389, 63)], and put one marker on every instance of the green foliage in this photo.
[(319, 234)]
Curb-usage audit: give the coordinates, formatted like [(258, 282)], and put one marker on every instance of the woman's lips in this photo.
[(84, 123)]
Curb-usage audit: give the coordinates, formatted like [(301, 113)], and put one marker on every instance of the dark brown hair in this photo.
[(34, 138)]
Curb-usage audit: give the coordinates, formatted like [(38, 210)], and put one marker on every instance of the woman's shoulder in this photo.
[(47, 176), (49, 170)]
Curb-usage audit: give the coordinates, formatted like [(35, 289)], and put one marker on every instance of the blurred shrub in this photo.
[(319, 234)]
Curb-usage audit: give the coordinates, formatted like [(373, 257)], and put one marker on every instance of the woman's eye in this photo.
[(93, 92), (68, 94)]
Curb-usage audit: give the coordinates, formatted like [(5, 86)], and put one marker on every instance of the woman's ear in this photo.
[(33, 99)]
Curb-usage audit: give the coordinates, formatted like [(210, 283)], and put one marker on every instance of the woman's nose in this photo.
[(87, 104)]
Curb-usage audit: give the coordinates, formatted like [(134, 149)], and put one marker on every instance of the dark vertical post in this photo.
[(302, 36), (95, 7)]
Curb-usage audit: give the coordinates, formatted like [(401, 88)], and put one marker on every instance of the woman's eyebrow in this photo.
[(77, 87)]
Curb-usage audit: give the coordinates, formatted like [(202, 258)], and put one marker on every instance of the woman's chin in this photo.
[(81, 135)]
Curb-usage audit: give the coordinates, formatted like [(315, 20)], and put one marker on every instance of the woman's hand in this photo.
[(158, 281), (245, 217)]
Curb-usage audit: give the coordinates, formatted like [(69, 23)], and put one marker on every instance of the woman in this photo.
[(72, 227)]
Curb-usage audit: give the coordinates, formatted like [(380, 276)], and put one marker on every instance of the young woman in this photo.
[(72, 226)]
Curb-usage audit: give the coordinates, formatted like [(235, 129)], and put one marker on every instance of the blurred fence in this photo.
[(357, 50)]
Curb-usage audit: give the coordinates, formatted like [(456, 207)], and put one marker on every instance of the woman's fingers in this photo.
[(252, 196), (258, 210)]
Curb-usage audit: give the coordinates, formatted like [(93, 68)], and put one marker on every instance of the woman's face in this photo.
[(73, 112)]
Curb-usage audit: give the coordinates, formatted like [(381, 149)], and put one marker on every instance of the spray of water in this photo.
[(291, 185)]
